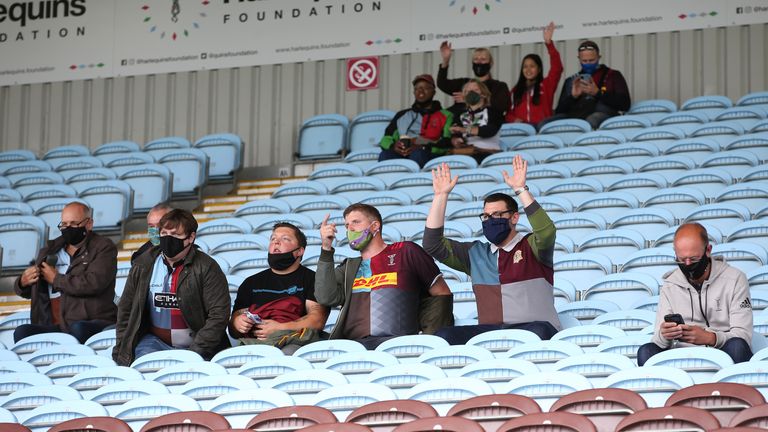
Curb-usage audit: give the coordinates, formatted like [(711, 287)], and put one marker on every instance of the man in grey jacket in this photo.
[(711, 297)]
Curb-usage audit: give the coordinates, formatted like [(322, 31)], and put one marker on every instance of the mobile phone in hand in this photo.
[(407, 141), (674, 318), (253, 317), (585, 77)]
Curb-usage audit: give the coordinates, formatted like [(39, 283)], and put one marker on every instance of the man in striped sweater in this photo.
[(512, 274)]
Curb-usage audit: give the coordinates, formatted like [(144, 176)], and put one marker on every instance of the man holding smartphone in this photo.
[(704, 302), (421, 132)]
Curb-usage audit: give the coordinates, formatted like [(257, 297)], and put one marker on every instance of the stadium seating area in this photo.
[(615, 194)]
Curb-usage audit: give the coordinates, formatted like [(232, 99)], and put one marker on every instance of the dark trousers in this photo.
[(421, 155), (737, 348), (459, 335), (81, 330)]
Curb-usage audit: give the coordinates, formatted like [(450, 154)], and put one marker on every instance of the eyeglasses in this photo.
[(485, 216), (63, 225), (692, 260)]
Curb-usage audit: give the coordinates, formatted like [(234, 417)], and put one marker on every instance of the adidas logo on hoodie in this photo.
[(746, 304)]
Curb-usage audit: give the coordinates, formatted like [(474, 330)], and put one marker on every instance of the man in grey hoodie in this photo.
[(711, 297)]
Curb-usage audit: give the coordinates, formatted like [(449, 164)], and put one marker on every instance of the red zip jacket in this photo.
[(532, 114)]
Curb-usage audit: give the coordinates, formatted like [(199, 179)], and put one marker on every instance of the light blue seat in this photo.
[(567, 321), (29, 398), (88, 174), (330, 174), (189, 167), (754, 231), (312, 255), (151, 183), (678, 200), (581, 267), (295, 193), (241, 406), (356, 366), (650, 221), (407, 349), (454, 357), (751, 373), (646, 303), (506, 189), (265, 223), (247, 263), (44, 417), (116, 147), (751, 195), (510, 133), (400, 378), (385, 200), (264, 370), (13, 168), (321, 351), (573, 157), (761, 126), (626, 346), (112, 396), (628, 320), (586, 310), (62, 370), (356, 189), (575, 189), (708, 180), (605, 170), (743, 255), (443, 393), (41, 195), (577, 225), (600, 140), (15, 209), (537, 146), (758, 278), (17, 155), (720, 132), (652, 109), (733, 161), (62, 165), (113, 160), (454, 162), (217, 229), (304, 384), (710, 105), (555, 204), (756, 143), (453, 230), (254, 210), (700, 362), (667, 165), (391, 170), (11, 382), (595, 366), (658, 135), (567, 129), (31, 344), (542, 176), (616, 243), (634, 153), (23, 182), (8, 324), (623, 289), (611, 205), (91, 380), (654, 383), (138, 412), (111, 201), (408, 220), (364, 158), (696, 148), (498, 372), (166, 143), (47, 355), (344, 399), (478, 180), (545, 354), (323, 136), (641, 185), (686, 121), (20, 238), (225, 152), (176, 375), (205, 390), (720, 215), (627, 125), (236, 247), (153, 362), (546, 387), (499, 342), (367, 129), (564, 292), (10, 363), (588, 337), (317, 207), (66, 151), (758, 99)]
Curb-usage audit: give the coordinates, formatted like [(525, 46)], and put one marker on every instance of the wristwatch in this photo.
[(521, 190)]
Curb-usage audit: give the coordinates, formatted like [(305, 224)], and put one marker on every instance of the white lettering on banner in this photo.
[(58, 40)]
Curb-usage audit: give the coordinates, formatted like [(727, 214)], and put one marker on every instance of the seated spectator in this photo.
[(419, 133), (72, 281), (596, 93), (277, 306), (390, 290), (175, 297), (533, 95), (153, 232), (512, 273), (482, 62), (476, 131), (710, 298)]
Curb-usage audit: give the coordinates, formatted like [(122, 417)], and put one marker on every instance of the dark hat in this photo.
[(424, 77), (589, 45)]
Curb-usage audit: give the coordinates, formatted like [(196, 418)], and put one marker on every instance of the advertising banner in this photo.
[(55, 40)]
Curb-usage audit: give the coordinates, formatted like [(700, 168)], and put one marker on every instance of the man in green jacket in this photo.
[(391, 290), (176, 297)]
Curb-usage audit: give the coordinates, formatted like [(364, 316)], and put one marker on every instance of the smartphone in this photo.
[(407, 141), (254, 317), (585, 77), (674, 318)]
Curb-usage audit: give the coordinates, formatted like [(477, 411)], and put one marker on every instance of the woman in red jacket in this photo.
[(533, 94)]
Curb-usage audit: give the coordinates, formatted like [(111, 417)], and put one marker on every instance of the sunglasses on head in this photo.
[(587, 48)]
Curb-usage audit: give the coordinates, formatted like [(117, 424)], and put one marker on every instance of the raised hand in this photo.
[(327, 233), (442, 183), (445, 52), (549, 30), (520, 169)]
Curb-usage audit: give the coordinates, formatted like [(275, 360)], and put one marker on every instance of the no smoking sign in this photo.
[(362, 73)]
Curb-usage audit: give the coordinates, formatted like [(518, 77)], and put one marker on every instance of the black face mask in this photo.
[(694, 271), (281, 261), (481, 69), (171, 246), (73, 235)]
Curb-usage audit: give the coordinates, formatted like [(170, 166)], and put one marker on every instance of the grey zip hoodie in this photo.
[(723, 306)]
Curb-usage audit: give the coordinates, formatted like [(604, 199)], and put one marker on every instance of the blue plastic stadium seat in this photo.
[(323, 136)]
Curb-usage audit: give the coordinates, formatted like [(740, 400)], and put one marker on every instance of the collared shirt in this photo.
[(510, 245)]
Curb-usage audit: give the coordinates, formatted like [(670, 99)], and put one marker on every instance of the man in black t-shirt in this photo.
[(277, 306)]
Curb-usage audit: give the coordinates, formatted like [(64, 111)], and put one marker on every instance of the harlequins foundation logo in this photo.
[(40, 20), (171, 18), (473, 6)]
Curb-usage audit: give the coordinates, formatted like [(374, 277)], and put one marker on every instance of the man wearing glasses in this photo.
[(512, 274), (704, 302), (72, 281)]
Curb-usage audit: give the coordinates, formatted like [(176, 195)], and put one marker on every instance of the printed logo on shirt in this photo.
[(517, 257), (391, 259), (364, 284), (165, 301), (746, 304)]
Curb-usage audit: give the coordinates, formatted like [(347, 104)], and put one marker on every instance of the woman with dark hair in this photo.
[(533, 94)]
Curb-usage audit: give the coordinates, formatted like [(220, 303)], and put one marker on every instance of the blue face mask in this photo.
[(589, 68), (154, 235), (496, 229)]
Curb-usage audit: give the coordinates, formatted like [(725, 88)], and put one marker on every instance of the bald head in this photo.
[(156, 213), (76, 214), (691, 241)]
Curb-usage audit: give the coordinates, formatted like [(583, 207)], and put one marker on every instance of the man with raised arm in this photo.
[(512, 274), (390, 290)]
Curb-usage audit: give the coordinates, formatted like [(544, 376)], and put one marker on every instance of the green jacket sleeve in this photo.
[(543, 239), (329, 281)]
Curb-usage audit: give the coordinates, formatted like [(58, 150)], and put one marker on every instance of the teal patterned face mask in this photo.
[(154, 235)]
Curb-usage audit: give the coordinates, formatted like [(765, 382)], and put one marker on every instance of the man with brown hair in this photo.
[(391, 290), (176, 297)]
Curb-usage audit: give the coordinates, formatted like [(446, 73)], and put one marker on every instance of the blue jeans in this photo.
[(81, 330), (737, 348), (149, 344), (459, 335), (420, 155)]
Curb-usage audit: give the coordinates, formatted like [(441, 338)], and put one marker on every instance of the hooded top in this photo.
[(723, 305)]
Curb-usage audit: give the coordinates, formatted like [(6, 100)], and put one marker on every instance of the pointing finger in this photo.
[(325, 219)]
